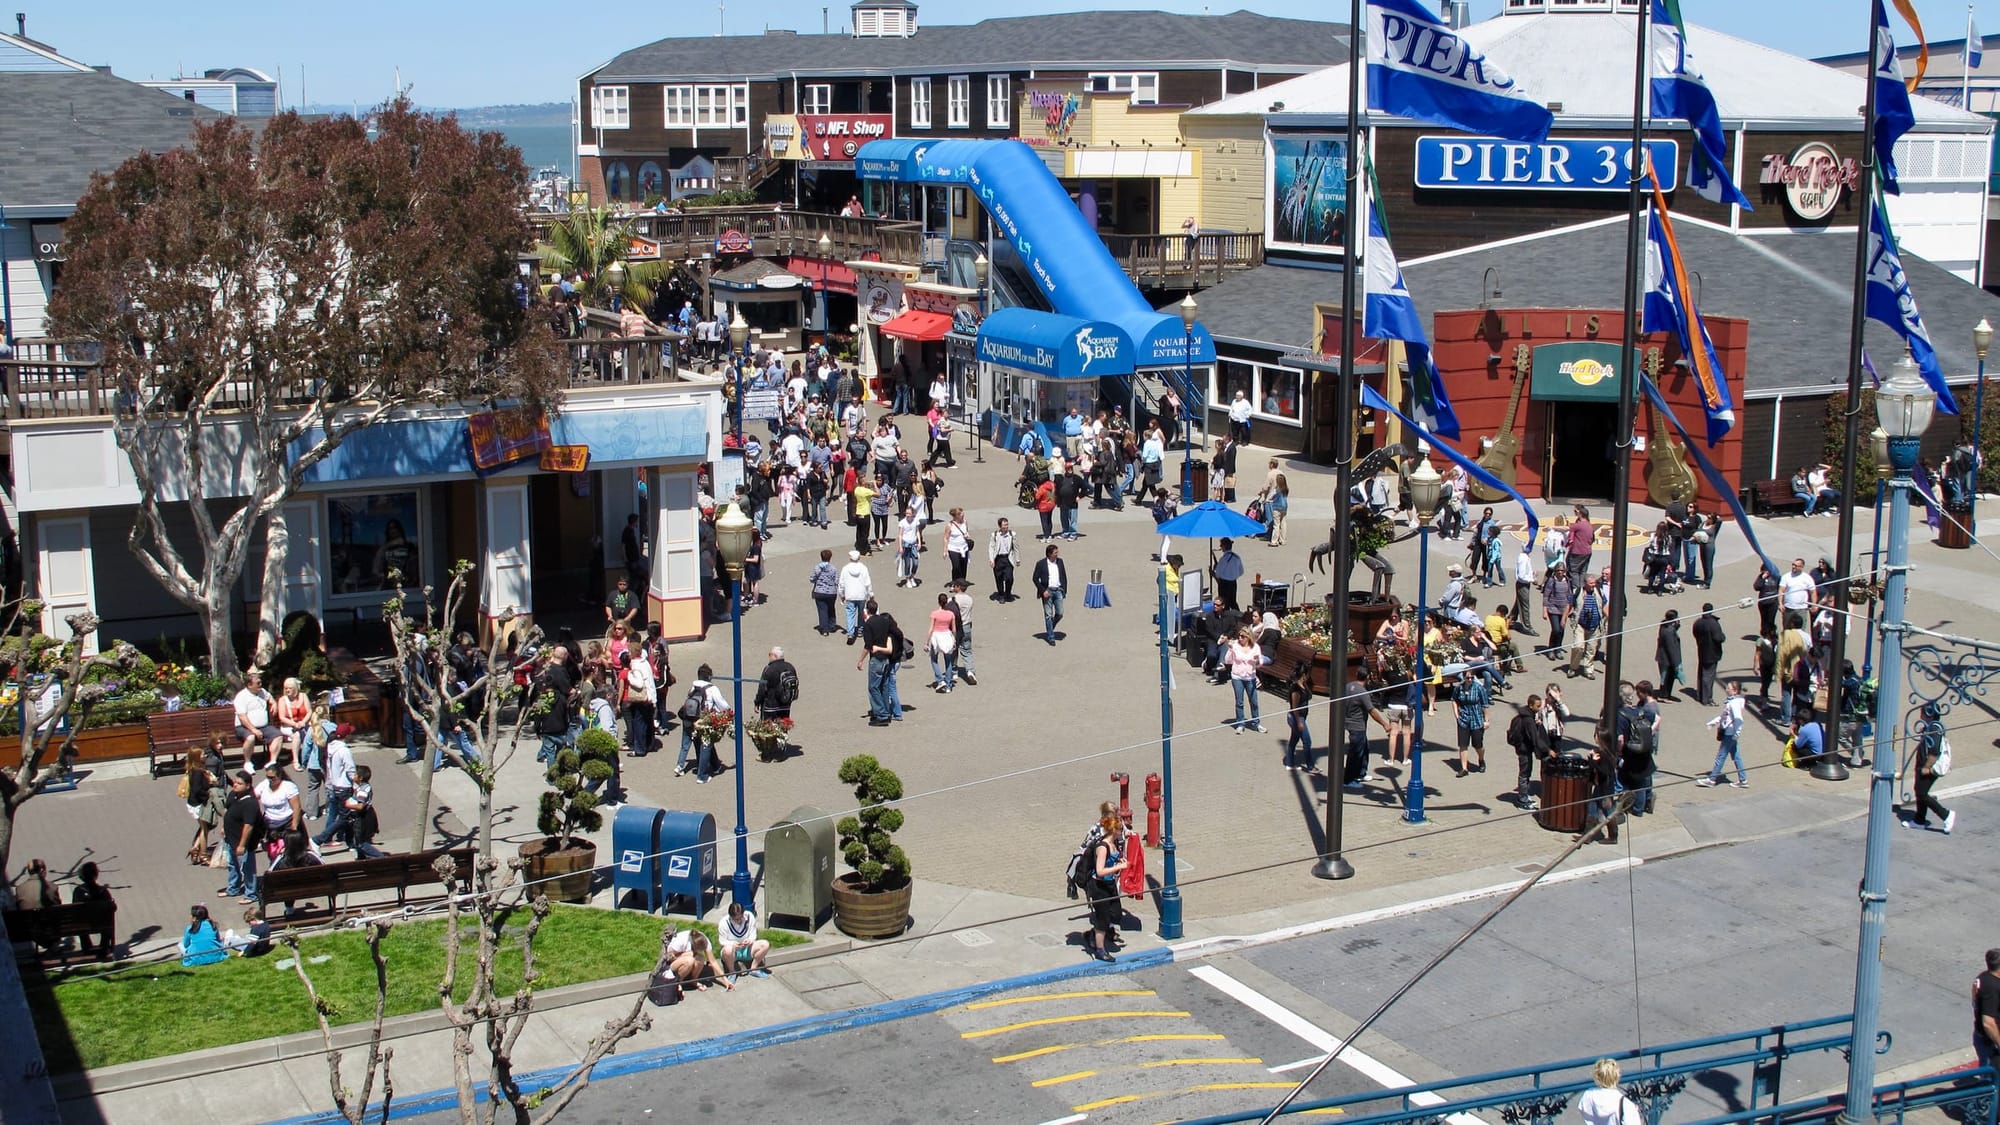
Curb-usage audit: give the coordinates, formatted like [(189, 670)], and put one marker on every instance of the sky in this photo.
[(455, 54)]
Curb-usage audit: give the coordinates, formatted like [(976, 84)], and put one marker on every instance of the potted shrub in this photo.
[(771, 736), (873, 900), (562, 855)]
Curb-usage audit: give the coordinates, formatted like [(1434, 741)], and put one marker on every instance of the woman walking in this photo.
[(1106, 860), (1277, 502), (958, 544), (1931, 764), (1298, 697), (196, 785), (1244, 657)]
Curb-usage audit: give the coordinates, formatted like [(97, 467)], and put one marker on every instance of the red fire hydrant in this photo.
[(1124, 783), (1152, 810)]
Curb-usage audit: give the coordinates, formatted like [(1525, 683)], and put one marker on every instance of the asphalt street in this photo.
[(1711, 942)]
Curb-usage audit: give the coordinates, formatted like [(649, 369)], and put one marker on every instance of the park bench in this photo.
[(43, 930), (334, 881), (1770, 496), (172, 735)]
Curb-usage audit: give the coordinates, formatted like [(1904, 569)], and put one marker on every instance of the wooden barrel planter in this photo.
[(1953, 532), (563, 872), (1365, 616), (862, 914)]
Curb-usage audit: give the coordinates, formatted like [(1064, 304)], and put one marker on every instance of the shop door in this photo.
[(1580, 453)]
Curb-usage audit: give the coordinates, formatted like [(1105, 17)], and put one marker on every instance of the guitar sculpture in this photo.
[(1668, 478), (1499, 456)]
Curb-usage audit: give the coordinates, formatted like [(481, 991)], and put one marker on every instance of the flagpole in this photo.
[(1964, 66), (1843, 563), (1332, 865), (1628, 392)]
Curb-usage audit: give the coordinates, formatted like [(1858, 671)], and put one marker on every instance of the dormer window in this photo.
[(884, 19)]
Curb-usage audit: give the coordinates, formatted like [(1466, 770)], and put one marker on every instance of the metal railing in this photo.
[(780, 231), (1172, 260), (1969, 1092)]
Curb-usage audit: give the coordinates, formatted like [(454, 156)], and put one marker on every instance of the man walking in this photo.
[(1005, 559), (1581, 536), (1558, 595), (856, 590), (962, 607), (1986, 1011), (1588, 618), (1227, 571), (883, 656), (1051, 585), (1728, 724), (1707, 653), (1069, 494), (1528, 734), (777, 687), (1360, 708), (1524, 589)]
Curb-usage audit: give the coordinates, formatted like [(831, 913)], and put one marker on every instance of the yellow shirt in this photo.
[(1496, 627), (1173, 582)]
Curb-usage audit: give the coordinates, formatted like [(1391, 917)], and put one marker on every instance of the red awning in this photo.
[(918, 325)]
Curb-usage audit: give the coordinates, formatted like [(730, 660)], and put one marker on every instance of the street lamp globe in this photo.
[(1878, 444), (981, 269), (1188, 309), (825, 246), (614, 276), (739, 330), (1982, 337), (1904, 402), (733, 530), (1425, 487)]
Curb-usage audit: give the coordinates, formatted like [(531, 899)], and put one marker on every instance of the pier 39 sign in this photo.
[(1557, 164)]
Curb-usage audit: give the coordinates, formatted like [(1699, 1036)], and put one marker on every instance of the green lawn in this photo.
[(164, 1009)]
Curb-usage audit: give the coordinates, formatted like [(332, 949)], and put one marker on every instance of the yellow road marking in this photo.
[(1196, 1062), (1071, 1019), (1088, 1106), (1057, 996), (1063, 1079), (1244, 1086), (1162, 1038), (1036, 1053)]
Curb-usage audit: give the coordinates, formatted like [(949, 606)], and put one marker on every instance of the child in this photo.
[(255, 940), (362, 823), (788, 489)]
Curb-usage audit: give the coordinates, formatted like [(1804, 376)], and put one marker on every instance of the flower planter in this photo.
[(567, 868), (869, 914), (770, 747), (1953, 532), (97, 744)]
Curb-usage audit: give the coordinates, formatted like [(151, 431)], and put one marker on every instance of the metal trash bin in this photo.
[(798, 867), (687, 859), (389, 715), (635, 846)]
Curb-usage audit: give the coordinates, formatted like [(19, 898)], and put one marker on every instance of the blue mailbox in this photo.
[(635, 845), (687, 858)]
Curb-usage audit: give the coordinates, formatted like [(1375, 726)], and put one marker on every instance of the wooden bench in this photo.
[(43, 930), (333, 881), (172, 735), (1769, 496)]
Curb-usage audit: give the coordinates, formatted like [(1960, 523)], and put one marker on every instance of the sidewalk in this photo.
[(1002, 778)]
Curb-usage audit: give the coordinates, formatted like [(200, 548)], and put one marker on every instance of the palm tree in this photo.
[(586, 243)]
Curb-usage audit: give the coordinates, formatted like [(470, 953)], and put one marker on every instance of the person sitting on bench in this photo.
[(88, 889), (253, 720)]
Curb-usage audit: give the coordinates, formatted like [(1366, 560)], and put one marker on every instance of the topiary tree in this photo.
[(866, 839), (568, 807)]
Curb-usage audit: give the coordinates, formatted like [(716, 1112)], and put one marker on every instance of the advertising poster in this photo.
[(1308, 192)]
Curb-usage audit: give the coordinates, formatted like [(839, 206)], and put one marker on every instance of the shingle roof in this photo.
[(1584, 61), (1793, 288), (60, 128), (1080, 39)]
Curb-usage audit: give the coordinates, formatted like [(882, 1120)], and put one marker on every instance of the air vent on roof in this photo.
[(180, 111), (779, 31)]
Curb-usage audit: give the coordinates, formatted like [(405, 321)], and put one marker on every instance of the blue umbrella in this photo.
[(1211, 519)]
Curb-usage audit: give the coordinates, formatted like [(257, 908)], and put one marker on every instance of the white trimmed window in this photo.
[(818, 99), (611, 107), (958, 101), (920, 103), (721, 106), (1142, 86), (1273, 391), (680, 106), (999, 109)]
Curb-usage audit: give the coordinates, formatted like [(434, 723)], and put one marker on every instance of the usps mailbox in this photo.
[(635, 851), (687, 859)]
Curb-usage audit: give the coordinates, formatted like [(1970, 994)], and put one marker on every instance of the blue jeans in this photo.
[(1726, 751), (243, 872), (854, 616), (881, 688), (1301, 737), (816, 509), (552, 743), (906, 561), (413, 738), (1689, 551), (1068, 521), (824, 604), (944, 668), (461, 742), (1052, 612), (1125, 482), (1811, 499), (1245, 689), (336, 816), (759, 513)]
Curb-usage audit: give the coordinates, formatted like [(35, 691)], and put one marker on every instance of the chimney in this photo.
[(21, 23)]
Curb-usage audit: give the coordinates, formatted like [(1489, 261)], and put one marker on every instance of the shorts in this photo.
[(265, 733), (1472, 738), (1105, 909)]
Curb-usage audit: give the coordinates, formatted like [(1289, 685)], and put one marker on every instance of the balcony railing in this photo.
[(780, 232), (1176, 260)]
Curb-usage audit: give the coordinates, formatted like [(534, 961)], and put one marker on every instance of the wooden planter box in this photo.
[(98, 744), (1289, 657)]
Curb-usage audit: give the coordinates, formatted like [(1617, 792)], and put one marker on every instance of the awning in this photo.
[(894, 158), (1163, 340), (918, 325), (1054, 346)]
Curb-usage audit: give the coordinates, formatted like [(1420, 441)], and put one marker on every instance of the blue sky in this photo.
[(464, 54)]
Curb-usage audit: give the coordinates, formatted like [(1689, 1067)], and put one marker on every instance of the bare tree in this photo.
[(262, 297), (353, 1106), (41, 719)]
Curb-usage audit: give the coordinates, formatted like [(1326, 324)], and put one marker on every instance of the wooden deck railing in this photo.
[(776, 231), (1172, 260)]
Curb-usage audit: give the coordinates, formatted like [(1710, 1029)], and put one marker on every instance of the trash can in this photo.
[(687, 858), (798, 867), (389, 715), (1566, 782), (1197, 484), (635, 844)]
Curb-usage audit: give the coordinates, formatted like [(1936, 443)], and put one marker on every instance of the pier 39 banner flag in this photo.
[(1419, 68)]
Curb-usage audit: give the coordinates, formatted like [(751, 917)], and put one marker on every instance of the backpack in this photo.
[(695, 704), (787, 691), (1074, 873), (1638, 739), (1943, 764)]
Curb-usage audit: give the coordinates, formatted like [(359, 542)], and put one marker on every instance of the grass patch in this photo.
[(164, 1009)]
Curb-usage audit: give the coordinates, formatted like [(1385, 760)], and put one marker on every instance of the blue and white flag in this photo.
[(1679, 90), (1890, 301), (1975, 47), (1670, 306), (1419, 68), (1388, 313), (1716, 480), (1893, 114), (1373, 399)]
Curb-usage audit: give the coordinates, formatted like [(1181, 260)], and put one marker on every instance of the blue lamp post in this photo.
[(1425, 486), (1903, 404), (739, 347), (1188, 310), (1170, 887), (732, 541), (1982, 339), (614, 278)]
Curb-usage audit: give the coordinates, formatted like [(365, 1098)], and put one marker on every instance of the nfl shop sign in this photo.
[(838, 136), (1557, 164), (1813, 178)]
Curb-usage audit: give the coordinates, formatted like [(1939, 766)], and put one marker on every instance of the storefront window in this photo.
[(1236, 377), (1273, 391), (369, 536), (1280, 392)]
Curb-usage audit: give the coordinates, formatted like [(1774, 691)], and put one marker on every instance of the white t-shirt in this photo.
[(910, 526), (1605, 1105), (276, 801), (794, 447), (253, 709), (1794, 590), (1239, 410), (681, 942)]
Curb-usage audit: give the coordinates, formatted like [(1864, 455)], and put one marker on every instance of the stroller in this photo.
[(1255, 510)]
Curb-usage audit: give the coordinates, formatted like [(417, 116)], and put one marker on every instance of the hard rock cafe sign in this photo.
[(1813, 178)]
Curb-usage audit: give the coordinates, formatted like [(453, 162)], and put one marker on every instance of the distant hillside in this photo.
[(480, 117)]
